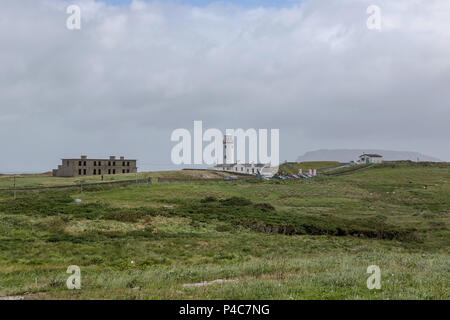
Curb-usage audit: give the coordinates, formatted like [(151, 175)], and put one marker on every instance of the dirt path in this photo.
[(28, 296)]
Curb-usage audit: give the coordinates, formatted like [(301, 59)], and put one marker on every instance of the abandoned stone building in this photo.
[(88, 167)]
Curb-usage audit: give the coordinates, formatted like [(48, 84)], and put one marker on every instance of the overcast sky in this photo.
[(138, 70)]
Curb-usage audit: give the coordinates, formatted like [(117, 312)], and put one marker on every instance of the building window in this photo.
[(95, 163), (84, 171), (109, 171), (235, 168), (128, 171), (109, 163), (123, 163), (99, 163), (128, 163), (114, 171), (123, 170), (99, 171), (79, 163), (79, 172), (84, 163), (114, 163), (242, 168), (95, 171)]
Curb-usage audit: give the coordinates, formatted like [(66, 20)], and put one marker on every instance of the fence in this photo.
[(147, 180)]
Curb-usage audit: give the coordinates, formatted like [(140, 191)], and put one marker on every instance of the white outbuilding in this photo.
[(367, 158)]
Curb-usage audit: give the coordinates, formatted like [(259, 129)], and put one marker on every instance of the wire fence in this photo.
[(148, 180)]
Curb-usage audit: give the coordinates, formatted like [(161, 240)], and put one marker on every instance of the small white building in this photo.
[(367, 158), (248, 168)]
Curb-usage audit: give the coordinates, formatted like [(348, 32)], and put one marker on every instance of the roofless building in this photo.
[(91, 167)]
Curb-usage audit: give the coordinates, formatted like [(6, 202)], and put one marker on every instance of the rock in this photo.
[(206, 283)]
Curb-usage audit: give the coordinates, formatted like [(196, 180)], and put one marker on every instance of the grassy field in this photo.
[(46, 179), (292, 239)]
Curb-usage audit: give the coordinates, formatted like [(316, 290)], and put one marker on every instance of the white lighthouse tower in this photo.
[(228, 149)]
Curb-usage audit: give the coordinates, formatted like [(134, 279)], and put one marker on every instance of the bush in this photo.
[(224, 228), (236, 201), (209, 199), (264, 206), (261, 217)]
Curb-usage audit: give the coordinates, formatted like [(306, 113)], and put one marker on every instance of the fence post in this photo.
[(14, 187)]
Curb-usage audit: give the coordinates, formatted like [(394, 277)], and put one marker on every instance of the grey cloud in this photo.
[(133, 74)]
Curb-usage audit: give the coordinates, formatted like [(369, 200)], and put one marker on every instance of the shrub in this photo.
[(236, 201), (264, 206), (209, 199)]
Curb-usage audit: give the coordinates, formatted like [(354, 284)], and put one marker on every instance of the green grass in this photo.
[(292, 239), (46, 180)]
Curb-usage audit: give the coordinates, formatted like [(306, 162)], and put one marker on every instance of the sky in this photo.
[(202, 3), (137, 70)]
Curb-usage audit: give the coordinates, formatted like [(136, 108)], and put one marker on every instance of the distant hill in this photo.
[(347, 155)]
